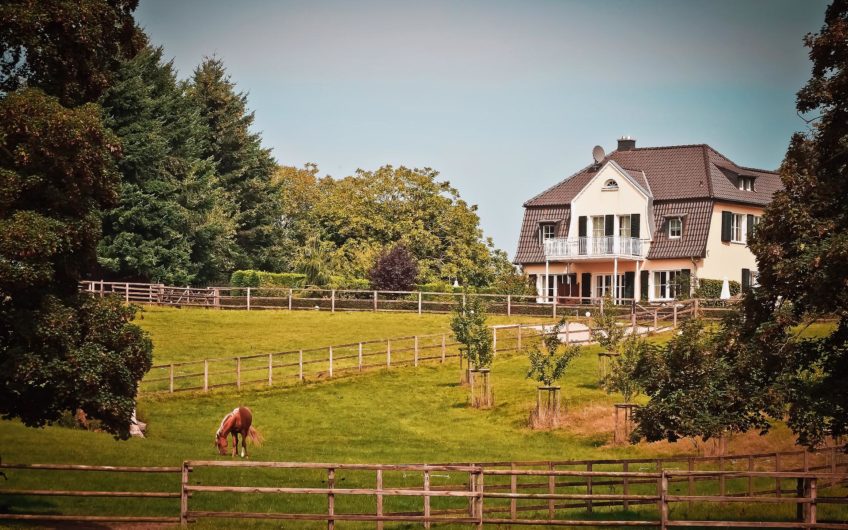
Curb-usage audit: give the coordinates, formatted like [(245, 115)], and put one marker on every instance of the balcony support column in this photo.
[(547, 280), (615, 280), (637, 287)]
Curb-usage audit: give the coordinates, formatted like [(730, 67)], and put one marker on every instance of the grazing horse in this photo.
[(238, 422)]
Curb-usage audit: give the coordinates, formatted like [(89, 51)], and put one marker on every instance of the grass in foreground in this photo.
[(403, 415)]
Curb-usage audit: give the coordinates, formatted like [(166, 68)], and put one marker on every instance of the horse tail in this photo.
[(255, 436)]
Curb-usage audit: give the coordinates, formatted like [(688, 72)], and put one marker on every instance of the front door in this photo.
[(567, 287)]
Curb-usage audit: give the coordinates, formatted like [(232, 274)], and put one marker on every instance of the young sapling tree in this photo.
[(548, 361)]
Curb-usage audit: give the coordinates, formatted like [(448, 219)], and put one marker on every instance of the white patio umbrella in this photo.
[(725, 289)]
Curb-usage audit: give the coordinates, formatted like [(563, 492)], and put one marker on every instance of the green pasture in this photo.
[(402, 415)]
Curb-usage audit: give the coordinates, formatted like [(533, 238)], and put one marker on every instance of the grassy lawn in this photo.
[(195, 334), (403, 415)]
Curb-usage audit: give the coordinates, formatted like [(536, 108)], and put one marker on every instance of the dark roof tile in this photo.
[(696, 227), (529, 247)]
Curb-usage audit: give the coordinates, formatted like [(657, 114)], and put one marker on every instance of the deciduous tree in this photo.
[(59, 350)]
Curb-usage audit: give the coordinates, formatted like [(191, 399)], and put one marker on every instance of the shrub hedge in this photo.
[(712, 288), (253, 278)]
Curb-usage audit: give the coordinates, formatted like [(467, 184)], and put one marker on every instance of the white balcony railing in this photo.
[(593, 247)]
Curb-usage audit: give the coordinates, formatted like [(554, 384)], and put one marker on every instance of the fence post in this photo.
[(750, 478), (416, 350), (553, 306), (290, 299), (480, 499), (270, 369), (589, 489), (379, 498), (602, 307), (300, 364), (656, 320), (171, 378), (388, 353), (360, 356), (127, 292), (674, 313), (331, 498), (419, 312), (691, 466), (375, 301), (663, 501), (551, 490), (513, 488), (444, 347), (184, 496), (333, 301), (519, 337), (206, 375), (238, 372), (331, 361), (248, 298), (426, 499), (722, 482), (495, 339), (810, 493), (777, 489), (626, 491), (509, 305)]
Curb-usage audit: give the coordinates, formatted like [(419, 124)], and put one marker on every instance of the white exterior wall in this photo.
[(728, 259), (593, 200)]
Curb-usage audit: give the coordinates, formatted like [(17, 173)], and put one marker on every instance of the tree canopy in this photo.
[(758, 366), (59, 350), (69, 48), (361, 216), (245, 168), (174, 222)]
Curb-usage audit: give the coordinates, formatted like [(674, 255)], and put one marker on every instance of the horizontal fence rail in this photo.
[(308, 298), (115, 485), (791, 489)]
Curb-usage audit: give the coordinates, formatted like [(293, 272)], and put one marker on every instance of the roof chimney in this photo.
[(626, 143)]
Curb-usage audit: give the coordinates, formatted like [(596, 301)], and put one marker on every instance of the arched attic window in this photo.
[(610, 185)]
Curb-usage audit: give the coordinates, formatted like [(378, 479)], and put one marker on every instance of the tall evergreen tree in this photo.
[(173, 221), (244, 166)]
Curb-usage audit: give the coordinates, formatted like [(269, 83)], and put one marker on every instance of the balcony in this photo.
[(588, 248)]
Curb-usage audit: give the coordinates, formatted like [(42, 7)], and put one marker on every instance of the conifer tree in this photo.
[(244, 166), (173, 223)]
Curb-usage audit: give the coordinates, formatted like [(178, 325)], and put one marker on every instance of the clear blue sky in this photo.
[(503, 98)]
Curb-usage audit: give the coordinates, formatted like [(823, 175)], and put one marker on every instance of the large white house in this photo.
[(639, 220)]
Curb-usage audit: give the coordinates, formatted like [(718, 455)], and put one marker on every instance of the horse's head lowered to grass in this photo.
[(238, 422)]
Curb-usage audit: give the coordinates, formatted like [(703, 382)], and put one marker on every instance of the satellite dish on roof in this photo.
[(598, 154)]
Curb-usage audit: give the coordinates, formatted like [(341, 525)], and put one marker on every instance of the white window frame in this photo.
[(603, 285), (746, 184), (737, 228), (624, 226), (672, 221), (544, 233), (610, 185), (598, 226), (667, 290)]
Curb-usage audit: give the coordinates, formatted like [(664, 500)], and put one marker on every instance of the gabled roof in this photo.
[(671, 173)]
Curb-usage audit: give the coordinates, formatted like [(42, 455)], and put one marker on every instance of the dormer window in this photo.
[(675, 228), (610, 185), (546, 231), (746, 183)]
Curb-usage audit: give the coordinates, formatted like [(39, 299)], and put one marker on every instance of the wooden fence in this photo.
[(796, 489), (326, 362), (799, 489), (80, 506), (254, 298)]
